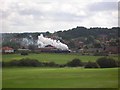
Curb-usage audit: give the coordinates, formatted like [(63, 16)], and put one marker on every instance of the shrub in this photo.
[(62, 65), (74, 63), (100, 54), (24, 53), (118, 63), (25, 62), (106, 62), (92, 65), (84, 63), (0, 64), (14, 63), (50, 64), (5, 64), (30, 62)]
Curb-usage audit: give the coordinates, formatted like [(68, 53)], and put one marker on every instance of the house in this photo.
[(95, 50), (23, 49), (112, 49), (7, 50)]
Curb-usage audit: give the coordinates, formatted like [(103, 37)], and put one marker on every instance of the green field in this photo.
[(59, 78), (31, 77), (47, 57)]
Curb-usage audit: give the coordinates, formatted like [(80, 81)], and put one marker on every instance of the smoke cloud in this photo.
[(28, 41), (43, 41)]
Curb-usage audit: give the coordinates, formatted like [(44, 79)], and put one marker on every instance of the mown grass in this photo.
[(60, 78), (28, 77), (47, 57)]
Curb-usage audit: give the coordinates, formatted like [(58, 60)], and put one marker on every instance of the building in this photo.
[(23, 49), (95, 50), (112, 49), (7, 50)]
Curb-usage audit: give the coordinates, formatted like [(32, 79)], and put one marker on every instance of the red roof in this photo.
[(7, 48)]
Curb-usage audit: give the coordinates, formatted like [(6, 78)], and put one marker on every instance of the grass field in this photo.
[(29, 77), (59, 78), (45, 57)]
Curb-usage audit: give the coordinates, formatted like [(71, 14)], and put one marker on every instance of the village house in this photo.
[(22, 50), (7, 50), (112, 49)]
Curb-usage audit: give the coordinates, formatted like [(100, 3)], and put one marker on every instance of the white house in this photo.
[(7, 50)]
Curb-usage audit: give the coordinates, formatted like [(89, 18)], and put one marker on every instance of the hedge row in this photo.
[(29, 62), (100, 63), (104, 62)]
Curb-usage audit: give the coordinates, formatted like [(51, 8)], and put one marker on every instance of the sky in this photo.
[(18, 16)]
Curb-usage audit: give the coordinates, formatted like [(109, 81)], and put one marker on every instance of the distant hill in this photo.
[(73, 37), (84, 32)]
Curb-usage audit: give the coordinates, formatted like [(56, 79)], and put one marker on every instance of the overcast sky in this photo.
[(54, 15)]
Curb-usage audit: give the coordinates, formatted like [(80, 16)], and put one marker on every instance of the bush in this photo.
[(5, 64), (30, 62), (106, 62), (14, 63), (100, 54), (50, 64), (118, 63), (62, 65), (0, 64), (74, 63), (24, 53), (25, 62), (92, 65)]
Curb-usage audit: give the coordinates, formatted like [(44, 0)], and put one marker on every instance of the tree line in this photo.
[(86, 35), (103, 62)]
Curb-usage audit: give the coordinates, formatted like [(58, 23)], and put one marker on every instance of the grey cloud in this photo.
[(57, 15), (4, 14), (103, 6), (23, 10), (29, 18), (18, 23), (54, 15), (33, 12), (64, 16), (37, 13)]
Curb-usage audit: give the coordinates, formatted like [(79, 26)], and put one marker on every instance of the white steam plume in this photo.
[(43, 41)]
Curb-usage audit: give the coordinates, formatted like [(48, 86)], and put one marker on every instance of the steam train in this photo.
[(52, 49)]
